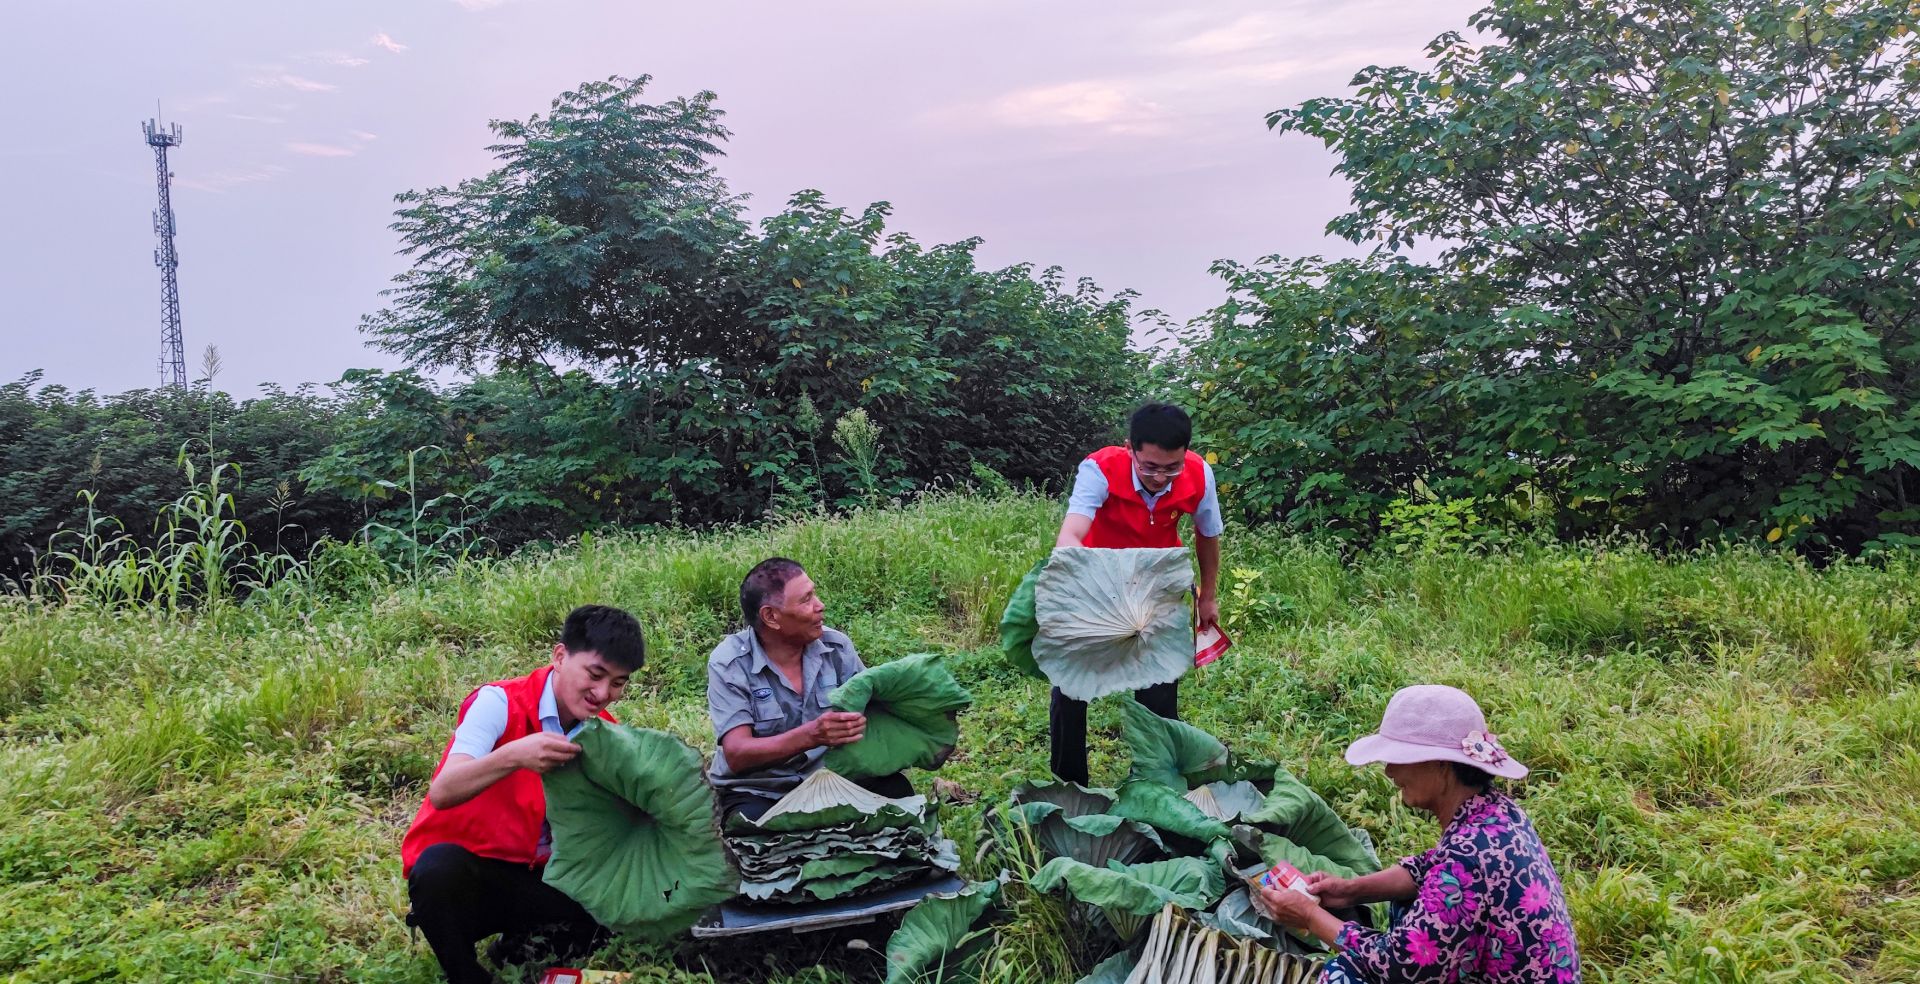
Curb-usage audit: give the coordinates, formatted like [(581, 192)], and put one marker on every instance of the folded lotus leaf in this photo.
[(634, 840), (1017, 625), (825, 799), (1237, 916), (1297, 813), (1226, 801), (843, 864), (1127, 893), (911, 706), (1113, 620), (761, 890), (840, 886), (1165, 750), (936, 941), (763, 852), (1053, 811), (1166, 811)]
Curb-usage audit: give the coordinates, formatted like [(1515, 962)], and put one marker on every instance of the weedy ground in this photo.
[(1726, 745)]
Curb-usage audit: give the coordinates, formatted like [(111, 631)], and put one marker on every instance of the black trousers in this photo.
[(751, 805), (1067, 726), (460, 898)]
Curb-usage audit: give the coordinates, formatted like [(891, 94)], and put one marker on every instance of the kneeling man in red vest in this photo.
[(474, 855)]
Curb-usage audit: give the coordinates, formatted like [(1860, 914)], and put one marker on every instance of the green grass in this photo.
[(1726, 745)]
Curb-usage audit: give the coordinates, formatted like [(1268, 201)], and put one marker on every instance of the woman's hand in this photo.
[(1335, 892), (1288, 907)]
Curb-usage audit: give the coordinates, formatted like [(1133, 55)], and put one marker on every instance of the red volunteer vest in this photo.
[(504, 820), (1124, 519)]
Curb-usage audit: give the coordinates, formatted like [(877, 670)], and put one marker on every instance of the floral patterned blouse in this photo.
[(1490, 910)]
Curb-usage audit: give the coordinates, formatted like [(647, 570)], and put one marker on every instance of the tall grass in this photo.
[(1726, 744)]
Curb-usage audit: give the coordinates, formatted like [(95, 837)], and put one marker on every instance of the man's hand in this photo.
[(836, 728), (1335, 892), (1206, 612), (542, 752)]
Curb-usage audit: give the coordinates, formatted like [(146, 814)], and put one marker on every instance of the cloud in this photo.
[(356, 141), (1112, 106), (248, 118), (387, 43), (473, 5), (287, 80), (338, 59), (1337, 65), (1247, 33), (305, 149), (219, 181)]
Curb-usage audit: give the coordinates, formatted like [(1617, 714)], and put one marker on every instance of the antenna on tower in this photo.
[(173, 357)]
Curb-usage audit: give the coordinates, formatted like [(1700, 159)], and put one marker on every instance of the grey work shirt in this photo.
[(743, 688)]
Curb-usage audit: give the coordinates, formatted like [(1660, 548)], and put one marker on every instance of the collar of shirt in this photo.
[(1138, 486), (810, 658), (550, 712)]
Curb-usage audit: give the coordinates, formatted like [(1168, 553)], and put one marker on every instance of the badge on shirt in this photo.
[(763, 693)]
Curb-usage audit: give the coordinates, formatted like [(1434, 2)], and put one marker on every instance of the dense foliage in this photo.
[(127, 450), (1675, 285), (719, 360), (715, 372)]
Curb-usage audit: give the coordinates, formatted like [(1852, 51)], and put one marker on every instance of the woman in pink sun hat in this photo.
[(1485, 905)]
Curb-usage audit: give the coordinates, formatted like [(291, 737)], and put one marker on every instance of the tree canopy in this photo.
[(1674, 285)]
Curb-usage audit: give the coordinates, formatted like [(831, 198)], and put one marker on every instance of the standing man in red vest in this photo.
[(1133, 495), (473, 857)]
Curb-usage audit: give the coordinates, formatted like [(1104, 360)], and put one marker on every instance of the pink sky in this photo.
[(1123, 141)]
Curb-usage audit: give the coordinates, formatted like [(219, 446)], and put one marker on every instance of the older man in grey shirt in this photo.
[(767, 687)]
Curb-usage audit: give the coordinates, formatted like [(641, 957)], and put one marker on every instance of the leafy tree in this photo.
[(596, 238), (1320, 386), (1700, 221)]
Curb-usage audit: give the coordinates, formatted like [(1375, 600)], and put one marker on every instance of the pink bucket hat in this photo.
[(1432, 723)]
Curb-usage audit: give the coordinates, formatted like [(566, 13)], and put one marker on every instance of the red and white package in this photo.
[(1284, 875), (1210, 644)]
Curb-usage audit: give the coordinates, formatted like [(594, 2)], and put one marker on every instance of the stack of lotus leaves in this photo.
[(829, 838)]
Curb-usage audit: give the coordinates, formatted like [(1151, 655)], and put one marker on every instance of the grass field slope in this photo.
[(1725, 745)]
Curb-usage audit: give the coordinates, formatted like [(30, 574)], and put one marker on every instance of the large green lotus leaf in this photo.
[(1165, 750), (1017, 625), (1297, 813), (1166, 811), (1127, 893), (1113, 620), (634, 840), (826, 799), (1226, 801), (1072, 798), (910, 704), (1273, 847), (936, 940), (1063, 819)]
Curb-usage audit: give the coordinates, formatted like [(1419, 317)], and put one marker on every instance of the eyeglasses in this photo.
[(1149, 468)]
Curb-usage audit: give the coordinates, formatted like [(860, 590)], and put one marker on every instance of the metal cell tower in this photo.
[(173, 357)]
